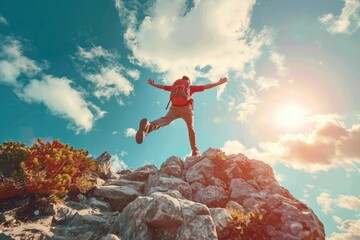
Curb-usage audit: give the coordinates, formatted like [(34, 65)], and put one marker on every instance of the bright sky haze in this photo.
[(77, 71)]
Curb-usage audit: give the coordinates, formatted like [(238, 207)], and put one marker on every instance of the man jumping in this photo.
[(182, 107)]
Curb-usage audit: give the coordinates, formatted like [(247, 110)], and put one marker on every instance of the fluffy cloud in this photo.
[(350, 229), (348, 202), (130, 132), (13, 63), (330, 144), (62, 100), (94, 53), (109, 78), (325, 201), (279, 62), (175, 39), (117, 164), (346, 22), (249, 104), (3, 20), (110, 82), (264, 83)]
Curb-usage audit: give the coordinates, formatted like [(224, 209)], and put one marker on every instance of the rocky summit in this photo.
[(213, 196)]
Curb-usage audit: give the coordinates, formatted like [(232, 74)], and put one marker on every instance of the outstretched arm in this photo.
[(211, 85), (152, 83)]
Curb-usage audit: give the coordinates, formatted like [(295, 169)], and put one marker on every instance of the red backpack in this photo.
[(180, 93)]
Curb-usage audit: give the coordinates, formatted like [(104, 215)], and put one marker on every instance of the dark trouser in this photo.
[(186, 113)]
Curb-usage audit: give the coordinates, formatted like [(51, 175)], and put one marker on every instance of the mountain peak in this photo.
[(212, 196)]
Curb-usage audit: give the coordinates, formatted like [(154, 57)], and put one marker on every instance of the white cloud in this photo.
[(134, 74), (213, 33), (101, 67), (328, 145), (325, 202), (279, 62), (130, 132), (110, 82), (3, 20), (235, 147), (13, 63), (348, 202), (94, 53), (249, 104), (337, 219), (346, 22), (117, 164), (350, 229), (123, 153), (279, 177), (264, 83), (62, 100)]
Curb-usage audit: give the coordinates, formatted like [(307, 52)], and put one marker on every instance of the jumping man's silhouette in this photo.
[(182, 107)]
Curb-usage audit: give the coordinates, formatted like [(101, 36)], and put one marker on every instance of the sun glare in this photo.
[(290, 116)]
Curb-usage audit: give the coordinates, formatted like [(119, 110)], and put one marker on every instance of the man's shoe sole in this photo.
[(140, 134)]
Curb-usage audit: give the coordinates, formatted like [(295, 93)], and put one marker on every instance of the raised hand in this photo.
[(223, 80), (151, 82)]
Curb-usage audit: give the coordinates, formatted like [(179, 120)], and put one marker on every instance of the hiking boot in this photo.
[(143, 129), (195, 153)]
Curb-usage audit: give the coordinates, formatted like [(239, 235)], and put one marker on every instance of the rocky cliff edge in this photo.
[(213, 196)]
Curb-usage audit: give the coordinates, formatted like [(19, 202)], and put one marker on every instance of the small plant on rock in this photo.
[(12, 155), (240, 220)]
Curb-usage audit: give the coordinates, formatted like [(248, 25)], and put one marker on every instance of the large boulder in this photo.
[(200, 172), (157, 183), (117, 196), (164, 216), (173, 166), (212, 196)]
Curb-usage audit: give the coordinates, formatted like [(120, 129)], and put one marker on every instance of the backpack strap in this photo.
[(167, 105)]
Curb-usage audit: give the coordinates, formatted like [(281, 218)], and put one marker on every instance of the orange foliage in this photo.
[(56, 168), (51, 169)]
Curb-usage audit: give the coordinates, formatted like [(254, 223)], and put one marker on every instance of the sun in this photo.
[(290, 116)]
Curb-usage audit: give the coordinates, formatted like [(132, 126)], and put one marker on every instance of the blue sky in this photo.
[(77, 71)]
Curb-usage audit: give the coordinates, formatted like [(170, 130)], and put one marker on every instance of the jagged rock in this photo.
[(132, 215), (173, 166), (161, 216), (235, 206), (104, 161), (275, 188), (222, 220), (212, 196), (138, 186), (200, 172), (201, 227), (212, 153), (117, 196), (96, 203), (296, 218), (158, 183), (240, 190), (163, 213), (175, 206), (191, 161), (196, 186), (252, 204), (140, 174)]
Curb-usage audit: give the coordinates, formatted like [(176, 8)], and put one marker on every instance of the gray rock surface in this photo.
[(200, 198)]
